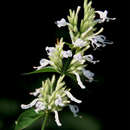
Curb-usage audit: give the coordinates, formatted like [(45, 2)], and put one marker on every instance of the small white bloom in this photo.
[(72, 97), (43, 63), (98, 41), (67, 54), (90, 59), (79, 80), (79, 43), (58, 101), (50, 50), (103, 16), (29, 105), (39, 106), (88, 74), (61, 23), (57, 119), (79, 57), (74, 109)]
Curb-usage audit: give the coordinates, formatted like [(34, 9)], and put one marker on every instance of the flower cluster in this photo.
[(53, 96)]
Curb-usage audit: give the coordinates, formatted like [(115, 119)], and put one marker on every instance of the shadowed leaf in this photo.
[(27, 118)]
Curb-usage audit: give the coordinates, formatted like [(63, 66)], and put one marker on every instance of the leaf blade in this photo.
[(27, 118), (43, 70)]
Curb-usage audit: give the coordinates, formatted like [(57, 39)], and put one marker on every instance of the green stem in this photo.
[(44, 122)]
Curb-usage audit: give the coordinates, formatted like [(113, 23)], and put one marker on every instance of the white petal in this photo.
[(43, 63), (39, 106), (67, 54), (79, 57), (79, 43), (79, 81), (74, 109), (58, 101), (50, 50), (29, 105), (72, 97), (103, 16), (61, 23), (57, 119)]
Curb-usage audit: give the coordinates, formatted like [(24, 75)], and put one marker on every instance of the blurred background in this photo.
[(28, 27)]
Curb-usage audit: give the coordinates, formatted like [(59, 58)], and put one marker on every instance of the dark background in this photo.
[(27, 27)]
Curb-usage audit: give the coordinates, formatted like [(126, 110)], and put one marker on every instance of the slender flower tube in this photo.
[(79, 80), (57, 119), (72, 97), (29, 105)]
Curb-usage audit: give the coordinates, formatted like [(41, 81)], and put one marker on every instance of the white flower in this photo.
[(57, 119), (67, 54), (74, 109), (39, 106), (103, 16), (79, 57), (58, 101), (90, 59), (29, 105), (61, 23), (79, 43), (79, 80), (43, 63), (88, 74), (72, 97), (50, 50), (98, 41)]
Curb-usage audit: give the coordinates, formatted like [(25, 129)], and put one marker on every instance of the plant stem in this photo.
[(44, 122)]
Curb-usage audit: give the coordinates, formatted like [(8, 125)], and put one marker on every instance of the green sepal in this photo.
[(70, 45), (27, 118)]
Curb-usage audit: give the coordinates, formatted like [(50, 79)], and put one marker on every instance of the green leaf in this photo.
[(43, 70), (27, 118)]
